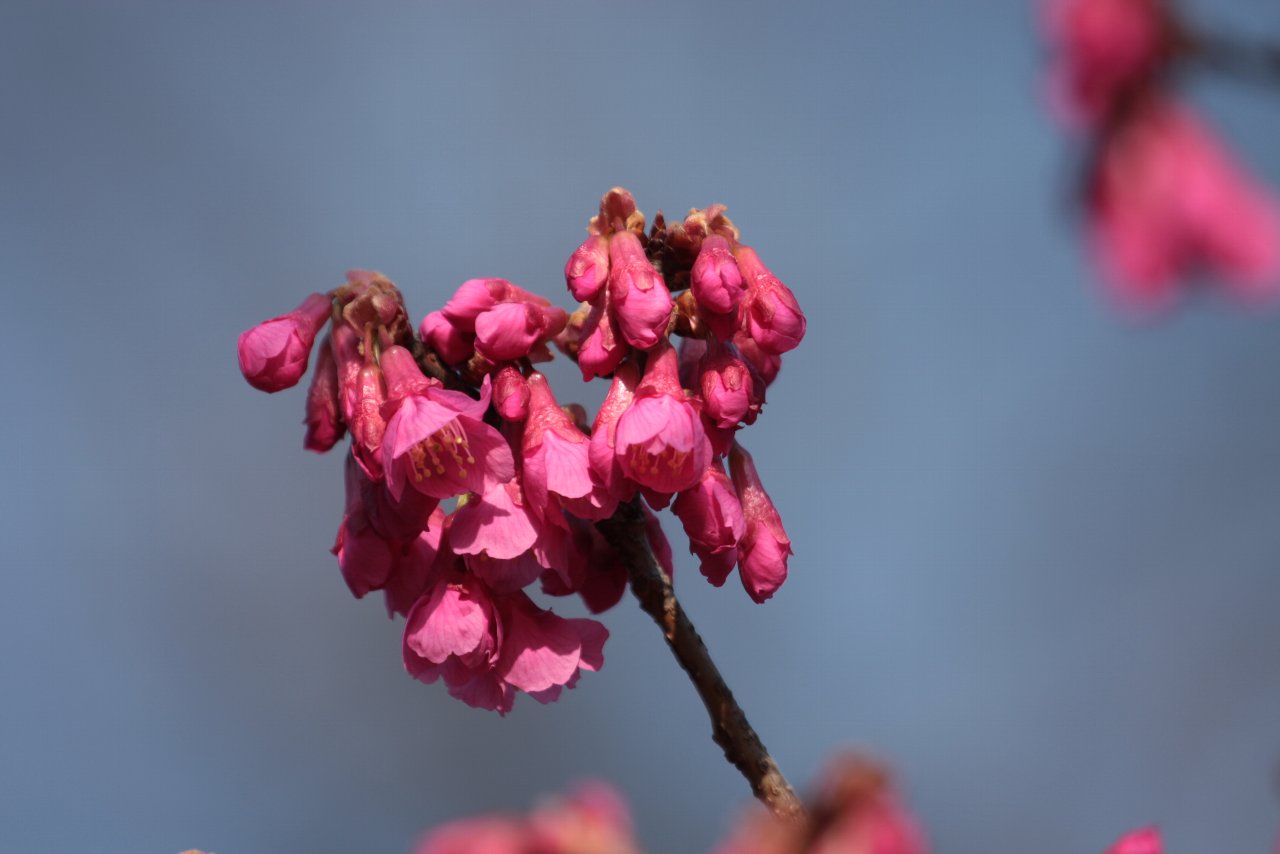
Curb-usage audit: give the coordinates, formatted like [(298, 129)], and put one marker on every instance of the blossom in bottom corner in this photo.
[(854, 810), (1144, 841), (593, 819)]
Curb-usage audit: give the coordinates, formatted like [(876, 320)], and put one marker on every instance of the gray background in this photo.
[(1036, 544)]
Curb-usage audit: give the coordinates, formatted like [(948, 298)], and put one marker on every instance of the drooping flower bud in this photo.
[(324, 426), (641, 302), (444, 339), (727, 393), (599, 350), (510, 330), (511, 394), (1144, 841), (764, 548), (659, 441), (605, 464), (773, 317), (712, 518), (273, 355), (588, 268), (715, 281)]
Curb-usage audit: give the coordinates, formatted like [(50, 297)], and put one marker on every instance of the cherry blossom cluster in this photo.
[(466, 479), (1164, 199), (854, 810)]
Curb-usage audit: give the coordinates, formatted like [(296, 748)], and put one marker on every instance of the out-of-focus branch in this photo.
[(729, 726), (1258, 61)]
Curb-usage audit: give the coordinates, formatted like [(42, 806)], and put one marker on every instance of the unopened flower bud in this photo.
[(588, 268), (511, 394), (641, 301), (773, 317), (273, 355)]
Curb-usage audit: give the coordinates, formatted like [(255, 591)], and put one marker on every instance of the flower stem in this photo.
[(1258, 61), (729, 726)]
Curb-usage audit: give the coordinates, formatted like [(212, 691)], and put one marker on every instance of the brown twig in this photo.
[(1258, 61), (729, 726)]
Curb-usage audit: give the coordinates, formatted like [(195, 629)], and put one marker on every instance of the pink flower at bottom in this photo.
[(593, 819), (1167, 201), (273, 355), (1144, 841), (486, 646)]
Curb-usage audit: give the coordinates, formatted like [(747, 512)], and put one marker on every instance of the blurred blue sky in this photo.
[(1036, 545)]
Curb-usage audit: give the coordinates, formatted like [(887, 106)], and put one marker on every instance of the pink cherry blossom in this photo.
[(365, 557), (1144, 841), (854, 811), (593, 570), (765, 547), (485, 835), (588, 268), (1108, 53), (487, 646), (772, 316), (640, 300), (557, 468), (273, 355), (498, 523), (349, 361), (659, 441), (593, 819), (712, 518), (437, 442), (324, 426), (1167, 201)]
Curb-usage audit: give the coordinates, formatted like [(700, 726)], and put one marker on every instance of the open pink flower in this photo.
[(641, 302), (273, 355), (1108, 52), (436, 440), (712, 519), (659, 442), (765, 547), (324, 426), (1167, 201), (487, 646), (557, 468), (1144, 841), (772, 316), (498, 523)]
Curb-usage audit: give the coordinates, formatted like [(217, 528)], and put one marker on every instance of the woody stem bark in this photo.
[(729, 725)]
